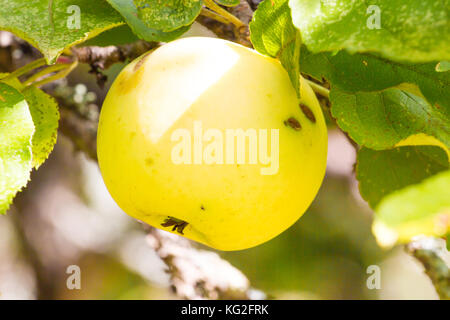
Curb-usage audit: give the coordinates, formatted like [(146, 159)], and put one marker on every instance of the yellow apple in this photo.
[(206, 138)]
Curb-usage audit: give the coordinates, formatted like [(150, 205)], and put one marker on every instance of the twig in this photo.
[(429, 252), (104, 57)]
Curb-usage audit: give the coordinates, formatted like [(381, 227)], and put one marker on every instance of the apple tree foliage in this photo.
[(386, 63)]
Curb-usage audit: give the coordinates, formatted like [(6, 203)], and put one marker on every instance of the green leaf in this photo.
[(380, 120), (382, 172), (168, 15), (420, 209), (228, 3), (113, 37), (416, 30), (367, 72), (443, 66), (44, 111), (144, 29), (273, 34), (51, 26), (16, 132)]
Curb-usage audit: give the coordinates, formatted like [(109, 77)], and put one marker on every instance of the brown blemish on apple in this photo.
[(178, 225), (293, 123), (308, 113)]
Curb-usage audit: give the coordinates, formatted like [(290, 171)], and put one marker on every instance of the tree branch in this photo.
[(199, 274), (430, 251), (104, 57)]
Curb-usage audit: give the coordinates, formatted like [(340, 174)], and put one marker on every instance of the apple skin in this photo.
[(225, 86)]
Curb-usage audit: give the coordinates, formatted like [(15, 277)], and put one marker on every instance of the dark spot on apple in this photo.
[(202, 207), (176, 224), (293, 123), (308, 113)]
